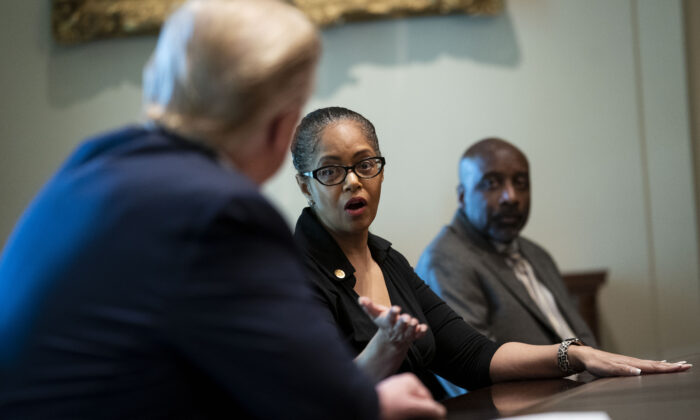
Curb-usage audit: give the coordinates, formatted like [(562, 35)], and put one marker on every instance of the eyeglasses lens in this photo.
[(332, 175)]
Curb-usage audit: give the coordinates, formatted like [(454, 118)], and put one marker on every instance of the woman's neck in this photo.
[(355, 248)]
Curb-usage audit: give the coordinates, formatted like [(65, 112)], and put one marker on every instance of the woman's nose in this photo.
[(352, 181)]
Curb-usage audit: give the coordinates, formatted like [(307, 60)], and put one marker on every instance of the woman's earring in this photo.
[(311, 203)]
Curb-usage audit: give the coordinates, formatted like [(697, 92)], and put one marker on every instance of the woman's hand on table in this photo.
[(601, 363)]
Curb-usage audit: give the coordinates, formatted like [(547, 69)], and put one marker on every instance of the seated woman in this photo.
[(365, 283)]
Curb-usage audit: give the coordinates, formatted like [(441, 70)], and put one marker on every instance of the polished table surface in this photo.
[(657, 396)]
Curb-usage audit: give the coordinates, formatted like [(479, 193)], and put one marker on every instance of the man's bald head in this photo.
[(494, 190), (488, 148)]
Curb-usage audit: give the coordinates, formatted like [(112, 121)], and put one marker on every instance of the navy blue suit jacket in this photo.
[(148, 281)]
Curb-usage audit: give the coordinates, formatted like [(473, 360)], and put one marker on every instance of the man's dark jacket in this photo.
[(147, 280)]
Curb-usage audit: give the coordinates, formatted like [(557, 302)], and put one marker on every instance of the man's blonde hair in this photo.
[(223, 66)]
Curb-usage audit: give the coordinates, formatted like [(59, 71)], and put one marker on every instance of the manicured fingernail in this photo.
[(681, 363), (664, 360), (635, 371)]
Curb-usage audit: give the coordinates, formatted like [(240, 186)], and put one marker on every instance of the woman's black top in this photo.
[(451, 348)]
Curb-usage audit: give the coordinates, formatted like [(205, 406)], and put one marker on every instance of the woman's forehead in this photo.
[(342, 139)]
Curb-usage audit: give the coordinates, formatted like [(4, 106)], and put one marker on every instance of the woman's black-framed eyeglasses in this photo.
[(336, 174)]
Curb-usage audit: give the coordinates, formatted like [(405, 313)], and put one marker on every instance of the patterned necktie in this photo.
[(539, 293)]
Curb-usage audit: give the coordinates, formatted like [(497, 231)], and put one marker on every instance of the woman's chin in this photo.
[(350, 222), (361, 223), (356, 225)]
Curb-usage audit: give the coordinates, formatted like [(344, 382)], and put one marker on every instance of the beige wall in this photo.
[(692, 49), (667, 155), (594, 92)]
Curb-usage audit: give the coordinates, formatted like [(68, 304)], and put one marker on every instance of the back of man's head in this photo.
[(223, 67)]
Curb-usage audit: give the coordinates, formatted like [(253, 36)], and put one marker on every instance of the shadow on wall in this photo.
[(401, 42), (80, 72)]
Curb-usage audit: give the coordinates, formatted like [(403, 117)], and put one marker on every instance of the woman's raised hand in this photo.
[(396, 328), (386, 351)]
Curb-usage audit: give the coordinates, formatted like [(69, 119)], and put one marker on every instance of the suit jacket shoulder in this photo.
[(471, 276)]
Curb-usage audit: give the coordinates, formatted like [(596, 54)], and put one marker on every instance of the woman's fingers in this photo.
[(613, 367), (387, 320), (418, 331), (402, 324), (393, 316), (372, 309), (652, 366), (408, 329), (622, 369), (397, 327), (384, 317), (662, 367), (609, 364)]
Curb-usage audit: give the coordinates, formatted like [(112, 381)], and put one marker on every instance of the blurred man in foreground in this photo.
[(150, 279)]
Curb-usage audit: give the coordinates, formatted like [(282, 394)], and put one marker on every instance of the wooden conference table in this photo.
[(659, 396)]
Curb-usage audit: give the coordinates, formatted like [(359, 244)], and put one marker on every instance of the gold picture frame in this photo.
[(75, 21)]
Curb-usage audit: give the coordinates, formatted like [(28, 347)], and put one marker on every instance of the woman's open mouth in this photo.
[(355, 206)]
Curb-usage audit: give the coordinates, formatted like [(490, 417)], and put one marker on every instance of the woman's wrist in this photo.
[(382, 347), (389, 346), (380, 358), (576, 356)]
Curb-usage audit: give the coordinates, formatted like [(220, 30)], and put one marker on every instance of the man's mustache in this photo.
[(508, 215)]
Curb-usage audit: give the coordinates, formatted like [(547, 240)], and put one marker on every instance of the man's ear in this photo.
[(281, 130), (460, 195)]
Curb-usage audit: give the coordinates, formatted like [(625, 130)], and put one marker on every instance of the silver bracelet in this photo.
[(563, 355)]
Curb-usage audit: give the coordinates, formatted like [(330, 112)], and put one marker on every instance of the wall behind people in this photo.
[(594, 93), (691, 10)]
